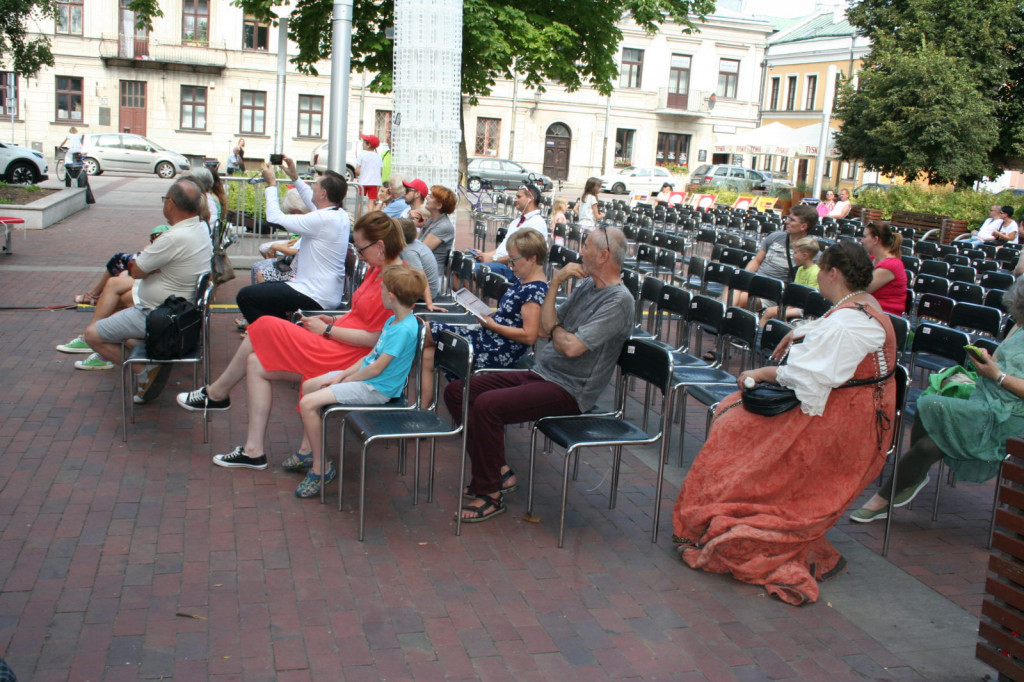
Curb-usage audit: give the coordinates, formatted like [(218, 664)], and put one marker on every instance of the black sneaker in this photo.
[(197, 401), (238, 458)]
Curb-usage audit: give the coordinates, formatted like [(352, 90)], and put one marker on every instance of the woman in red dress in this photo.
[(763, 491), (277, 350)]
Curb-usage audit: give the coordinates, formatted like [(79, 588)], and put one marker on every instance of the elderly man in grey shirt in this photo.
[(586, 336)]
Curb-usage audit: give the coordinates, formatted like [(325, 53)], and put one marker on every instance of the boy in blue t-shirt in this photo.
[(375, 379)]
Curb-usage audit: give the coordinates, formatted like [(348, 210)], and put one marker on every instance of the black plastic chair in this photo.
[(817, 305), (645, 361), (962, 273), (935, 268), (967, 293), (996, 280), (453, 355), (901, 327), (936, 347), (977, 318), (765, 288), (935, 307), (931, 284)]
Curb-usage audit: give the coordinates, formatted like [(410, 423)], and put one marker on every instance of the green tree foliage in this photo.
[(23, 55), (572, 42), (940, 93)]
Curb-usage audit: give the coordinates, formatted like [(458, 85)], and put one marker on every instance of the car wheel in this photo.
[(91, 166), (618, 188), (474, 184), (21, 173), (165, 169), (350, 174)]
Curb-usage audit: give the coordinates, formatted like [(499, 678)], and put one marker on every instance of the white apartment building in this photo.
[(206, 75)]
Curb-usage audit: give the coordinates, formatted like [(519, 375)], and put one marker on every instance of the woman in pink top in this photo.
[(889, 280)]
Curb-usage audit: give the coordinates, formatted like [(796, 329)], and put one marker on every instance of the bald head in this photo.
[(183, 200)]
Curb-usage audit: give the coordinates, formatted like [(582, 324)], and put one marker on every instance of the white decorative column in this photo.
[(425, 129)]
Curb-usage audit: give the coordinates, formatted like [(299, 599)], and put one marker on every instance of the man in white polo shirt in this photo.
[(526, 202)]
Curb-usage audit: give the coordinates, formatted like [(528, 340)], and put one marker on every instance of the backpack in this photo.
[(173, 329)]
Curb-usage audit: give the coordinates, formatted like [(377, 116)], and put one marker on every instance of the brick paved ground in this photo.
[(142, 561)]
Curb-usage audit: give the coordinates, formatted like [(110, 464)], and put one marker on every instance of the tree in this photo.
[(25, 57), (573, 42), (940, 95)]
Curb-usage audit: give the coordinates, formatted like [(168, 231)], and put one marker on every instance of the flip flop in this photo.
[(86, 299), (489, 509)]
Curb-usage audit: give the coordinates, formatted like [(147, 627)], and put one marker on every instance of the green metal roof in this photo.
[(813, 28)]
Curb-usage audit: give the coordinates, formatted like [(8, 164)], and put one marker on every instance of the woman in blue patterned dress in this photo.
[(504, 337)]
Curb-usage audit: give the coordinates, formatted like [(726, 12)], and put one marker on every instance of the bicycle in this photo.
[(58, 164)]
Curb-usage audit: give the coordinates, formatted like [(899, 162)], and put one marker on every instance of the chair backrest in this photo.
[(647, 361), (901, 327), (706, 312), (977, 318), (453, 354), (935, 307), (969, 293), (493, 286), (994, 299), (796, 295), (719, 273), (769, 288), (962, 273), (817, 305), (940, 340), (996, 280), (935, 268), (957, 259), (930, 284), (739, 326), (631, 278)]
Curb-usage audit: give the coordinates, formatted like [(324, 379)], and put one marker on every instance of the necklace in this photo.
[(846, 298)]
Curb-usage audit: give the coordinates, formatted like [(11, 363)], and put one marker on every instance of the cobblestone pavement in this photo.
[(141, 560)]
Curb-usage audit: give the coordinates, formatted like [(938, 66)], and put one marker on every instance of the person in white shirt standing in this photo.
[(320, 264), (369, 166), (526, 202)]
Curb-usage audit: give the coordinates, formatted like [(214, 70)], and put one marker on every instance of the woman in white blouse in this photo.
[(763, 491)]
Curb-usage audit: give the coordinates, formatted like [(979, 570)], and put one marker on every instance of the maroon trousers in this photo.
[(499, 399)]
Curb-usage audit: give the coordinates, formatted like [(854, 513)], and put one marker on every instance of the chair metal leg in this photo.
[(529, 486), (565, 494), (662, 457), (938, 489), (430, 473), (616, 466), (995, 506), (362, 489), (892, 492), (124, 399), (341, 468)]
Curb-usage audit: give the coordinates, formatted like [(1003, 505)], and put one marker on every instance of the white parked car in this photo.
[(20, 165), (639, 180), (318, 160), (123, 152)]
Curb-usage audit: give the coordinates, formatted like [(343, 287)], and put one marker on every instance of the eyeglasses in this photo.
[(359, 251), (607, 242), (513, 261)]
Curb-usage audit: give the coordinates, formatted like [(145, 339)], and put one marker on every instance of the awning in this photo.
[(775, 138)]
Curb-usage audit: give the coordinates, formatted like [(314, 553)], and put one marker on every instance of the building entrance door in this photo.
[(556, 151), (133, 107)]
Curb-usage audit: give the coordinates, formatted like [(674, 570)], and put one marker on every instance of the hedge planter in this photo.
[(47, 210)]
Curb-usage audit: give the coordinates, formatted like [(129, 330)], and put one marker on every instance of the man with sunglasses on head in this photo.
[(586, 335), (527, 202), (320, 281)]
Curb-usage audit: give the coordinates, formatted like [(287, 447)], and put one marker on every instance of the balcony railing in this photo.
[(145, 51)]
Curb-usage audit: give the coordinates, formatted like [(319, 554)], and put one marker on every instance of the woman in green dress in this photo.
[(970, 434)]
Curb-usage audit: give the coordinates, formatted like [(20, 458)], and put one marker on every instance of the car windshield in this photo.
[(152, 144), (628, 170)]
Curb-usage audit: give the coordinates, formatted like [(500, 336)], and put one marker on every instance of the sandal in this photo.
[(311, 484), (86, 299), (505, 489), (491, 507), (298, 462)]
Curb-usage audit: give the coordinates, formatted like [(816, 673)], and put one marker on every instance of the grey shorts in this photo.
[(357, 393), (129, 323)]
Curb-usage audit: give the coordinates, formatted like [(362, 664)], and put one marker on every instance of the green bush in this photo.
[(253, 195), (961, 204), (725, 196)]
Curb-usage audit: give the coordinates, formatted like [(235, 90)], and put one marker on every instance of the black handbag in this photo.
[(768, 399)]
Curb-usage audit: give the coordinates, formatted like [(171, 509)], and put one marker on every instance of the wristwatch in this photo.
[(327, 331)]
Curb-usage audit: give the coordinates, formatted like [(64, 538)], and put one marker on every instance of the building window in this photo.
[(768, 162), (753, 162), (812, 92), (195, 21), (253, 112), (69, 99), (624, 147), (632, 68), (193, 107), (776, 86), (827, 170), (728, 78), (311, 115), (69, 17), (255, 35), (849, 170), (8, 90), (382, 125), (791, 93), (783, 164), (678, 81), (487, 132)]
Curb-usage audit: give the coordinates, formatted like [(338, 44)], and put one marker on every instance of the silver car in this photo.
[(123, 152)]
